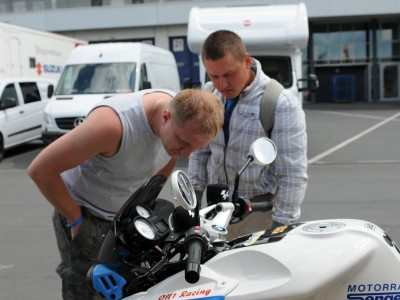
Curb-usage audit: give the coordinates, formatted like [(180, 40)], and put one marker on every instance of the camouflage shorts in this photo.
[(79, 254)]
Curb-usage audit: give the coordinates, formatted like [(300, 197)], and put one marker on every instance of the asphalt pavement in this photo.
[(354, 172)]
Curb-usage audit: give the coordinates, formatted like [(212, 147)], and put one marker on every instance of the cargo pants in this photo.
[(79, 254)]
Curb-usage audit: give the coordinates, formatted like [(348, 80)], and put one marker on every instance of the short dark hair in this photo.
[(221, 42)]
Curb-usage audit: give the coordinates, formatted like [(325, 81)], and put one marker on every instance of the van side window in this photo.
[(143, 76), (30, 92), (9, 92)]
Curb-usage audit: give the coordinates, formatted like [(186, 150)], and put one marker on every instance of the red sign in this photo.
[(39, 68), (246, 23)]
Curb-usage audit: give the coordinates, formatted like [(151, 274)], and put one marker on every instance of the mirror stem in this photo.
[(235, 194), (197, 212)]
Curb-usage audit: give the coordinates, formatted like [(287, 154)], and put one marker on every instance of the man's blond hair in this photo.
[(201, 106)]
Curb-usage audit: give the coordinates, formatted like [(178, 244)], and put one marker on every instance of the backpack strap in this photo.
[(211, 88), (268, 105)]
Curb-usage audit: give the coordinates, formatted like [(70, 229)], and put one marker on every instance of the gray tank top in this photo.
[(104, 184)]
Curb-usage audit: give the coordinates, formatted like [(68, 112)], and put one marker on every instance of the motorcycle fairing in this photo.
[(146, 194), (326, 259), (210, 286), (211, 298)]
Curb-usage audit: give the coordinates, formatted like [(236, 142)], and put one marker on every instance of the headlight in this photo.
[(46, 118)]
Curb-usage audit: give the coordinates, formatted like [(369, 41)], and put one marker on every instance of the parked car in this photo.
[(22, 101)]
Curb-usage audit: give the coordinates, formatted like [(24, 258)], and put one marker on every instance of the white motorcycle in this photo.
[(145, 257)]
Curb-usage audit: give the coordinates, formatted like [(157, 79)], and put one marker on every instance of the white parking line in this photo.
[(352, 139), (5, 267), (340, 113)]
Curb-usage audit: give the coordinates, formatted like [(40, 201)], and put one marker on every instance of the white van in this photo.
[(22, 101), (273, 34), (98, 71)]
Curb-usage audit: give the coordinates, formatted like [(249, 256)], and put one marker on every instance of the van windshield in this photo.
[(102, 78), (277, 67)]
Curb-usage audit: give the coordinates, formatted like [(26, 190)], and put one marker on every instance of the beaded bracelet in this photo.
[(76, 223)]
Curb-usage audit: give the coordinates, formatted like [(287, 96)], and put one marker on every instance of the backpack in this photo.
[(267, 104)]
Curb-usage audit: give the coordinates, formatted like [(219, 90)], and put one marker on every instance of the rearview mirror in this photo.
[(263, 151), (182, 190), (146, 85), (50, 91), (310, 84)]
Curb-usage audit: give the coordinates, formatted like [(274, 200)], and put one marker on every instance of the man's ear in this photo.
[(247, 59), (166, 115)]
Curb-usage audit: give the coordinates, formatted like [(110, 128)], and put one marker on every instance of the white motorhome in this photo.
[(31, 53), (98, 71), (273, 34)]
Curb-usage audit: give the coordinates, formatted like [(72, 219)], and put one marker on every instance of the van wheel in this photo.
[(1, 148)]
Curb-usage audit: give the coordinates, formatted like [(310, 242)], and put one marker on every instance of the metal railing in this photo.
[(19, 6)]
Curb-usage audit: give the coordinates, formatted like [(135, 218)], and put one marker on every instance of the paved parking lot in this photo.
[(354, 172), (354, 163)]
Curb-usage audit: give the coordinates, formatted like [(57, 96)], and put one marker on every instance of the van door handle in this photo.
[(21, 111)]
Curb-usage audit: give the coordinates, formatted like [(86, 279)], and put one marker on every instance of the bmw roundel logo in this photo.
[(78, 121), (218, 228)]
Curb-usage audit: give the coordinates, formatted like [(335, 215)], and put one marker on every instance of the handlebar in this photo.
[(243, 207), (192, 272), (262, 206), (195, 244)]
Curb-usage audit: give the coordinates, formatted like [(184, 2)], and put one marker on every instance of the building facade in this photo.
[(354, 45)]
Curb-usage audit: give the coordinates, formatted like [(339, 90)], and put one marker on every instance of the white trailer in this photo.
[(31, 53), (273, 34)]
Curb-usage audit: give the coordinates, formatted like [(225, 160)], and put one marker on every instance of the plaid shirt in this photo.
[(217, 163)]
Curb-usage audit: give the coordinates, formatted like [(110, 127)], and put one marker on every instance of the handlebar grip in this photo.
[(192, 272), (262, 206)]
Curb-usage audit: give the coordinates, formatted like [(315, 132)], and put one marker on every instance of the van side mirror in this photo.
[(188, 83), (8, 103), (50, 91), (310, 84), (146, 85)]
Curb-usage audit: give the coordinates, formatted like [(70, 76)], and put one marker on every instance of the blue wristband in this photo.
[(76, 223)]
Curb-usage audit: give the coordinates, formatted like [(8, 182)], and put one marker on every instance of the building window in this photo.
[(388, 42), (340, 43)]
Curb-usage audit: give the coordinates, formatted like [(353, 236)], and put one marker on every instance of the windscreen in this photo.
[(105, 78), (277, 67)]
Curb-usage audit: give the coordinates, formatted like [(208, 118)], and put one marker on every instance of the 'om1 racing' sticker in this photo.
[(188, 294)]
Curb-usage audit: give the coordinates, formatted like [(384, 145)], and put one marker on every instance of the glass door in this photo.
[(389, 81)]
